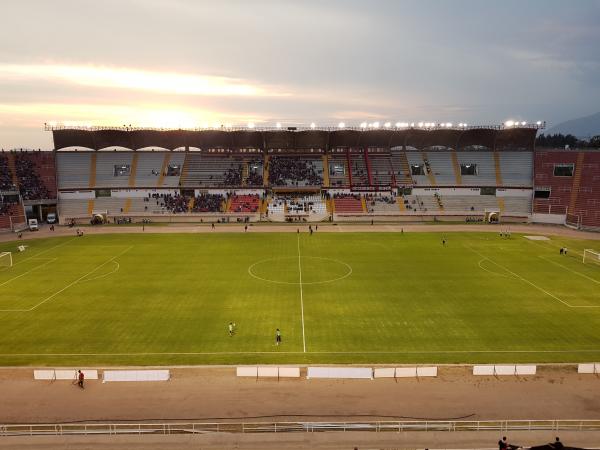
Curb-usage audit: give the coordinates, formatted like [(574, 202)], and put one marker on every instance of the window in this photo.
[(336, 168), (174, 170), (563, 170), (468, 169), (417, 169), (121, 170), (542, 192)]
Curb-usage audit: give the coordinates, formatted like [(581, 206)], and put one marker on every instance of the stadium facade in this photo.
[(397, 174)]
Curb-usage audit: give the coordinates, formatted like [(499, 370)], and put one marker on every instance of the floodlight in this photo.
[(341, 125), (387, 124), (312, 125), (375, 124), (539, 122), (449, 124), (278, 125), (523, 123), (420, 124), (363, 125), (509, 123), (251, 125)]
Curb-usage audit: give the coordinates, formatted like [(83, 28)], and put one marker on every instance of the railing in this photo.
[(282, 427)]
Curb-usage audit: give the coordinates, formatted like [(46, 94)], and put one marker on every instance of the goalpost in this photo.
[(590, 255), (6, 259)]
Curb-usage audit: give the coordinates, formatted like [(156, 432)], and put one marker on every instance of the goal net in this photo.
[(5, 259), (591, 256)]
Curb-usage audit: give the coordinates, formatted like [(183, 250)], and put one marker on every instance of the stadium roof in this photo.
[(492, 137)]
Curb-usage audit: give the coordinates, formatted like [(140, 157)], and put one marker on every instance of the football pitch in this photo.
[(167, 299)]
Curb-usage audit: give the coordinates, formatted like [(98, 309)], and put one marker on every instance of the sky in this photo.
[(193, 63)]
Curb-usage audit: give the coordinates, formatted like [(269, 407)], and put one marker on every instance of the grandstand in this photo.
[(270, 174)]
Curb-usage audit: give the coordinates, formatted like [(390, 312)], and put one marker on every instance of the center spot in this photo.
[(286, 270)]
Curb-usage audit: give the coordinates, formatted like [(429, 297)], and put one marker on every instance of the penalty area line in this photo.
[(531, 283), (69, 285)]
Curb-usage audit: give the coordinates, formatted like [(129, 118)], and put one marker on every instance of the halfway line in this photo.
[(301, 296)]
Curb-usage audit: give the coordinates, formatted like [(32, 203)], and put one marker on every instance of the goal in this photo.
[(6, 259), (591, 256)]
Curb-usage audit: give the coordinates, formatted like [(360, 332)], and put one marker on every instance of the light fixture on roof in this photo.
[(523, 123), (448, 124), (312, 126), (341, 125), (228, 125), (412, 124), (363, 125), (509, 123), (251, 125), (205, 125), (538, 123), (375, 124), (420, 124), (387, 124), (278, 125)]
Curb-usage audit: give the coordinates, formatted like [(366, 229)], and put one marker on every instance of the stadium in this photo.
[(300, 278)]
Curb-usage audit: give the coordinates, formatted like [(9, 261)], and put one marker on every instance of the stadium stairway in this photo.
[(245, 173), (401, 205), (13, 168), (368, 165), (456, 168), (163, 170), (266, 172), (93, 161), (325, 171), (348, 163), (90, 206), (363, 203), (501, 205), (430, 174), (576, 181), (498, 169), (186, 168), (133, 171), (191, 204), (127, 206)]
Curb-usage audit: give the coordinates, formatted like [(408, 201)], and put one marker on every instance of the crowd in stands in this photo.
[(208, 203), (6, 182), (176, 203), (233, 176), (30, 184), (255, 176), (285, 171), (373, 200)]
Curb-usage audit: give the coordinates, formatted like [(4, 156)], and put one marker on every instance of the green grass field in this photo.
[(158, 299)]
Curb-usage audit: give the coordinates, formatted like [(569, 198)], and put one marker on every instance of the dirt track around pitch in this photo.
[(549, 230), (216, 394)]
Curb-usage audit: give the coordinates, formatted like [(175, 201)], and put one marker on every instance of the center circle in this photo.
[(292, 269)]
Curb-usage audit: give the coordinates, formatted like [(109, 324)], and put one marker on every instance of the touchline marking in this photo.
[(68, 285), (301, 296), (409, 352), (571, 270), (531, 283), (29, 271)]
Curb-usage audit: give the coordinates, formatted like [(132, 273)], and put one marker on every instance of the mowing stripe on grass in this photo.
[(275, 352)]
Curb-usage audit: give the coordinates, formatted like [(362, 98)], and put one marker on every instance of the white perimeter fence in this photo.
[(277, 427)]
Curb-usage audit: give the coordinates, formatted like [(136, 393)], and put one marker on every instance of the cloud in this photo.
[(132, 79)]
